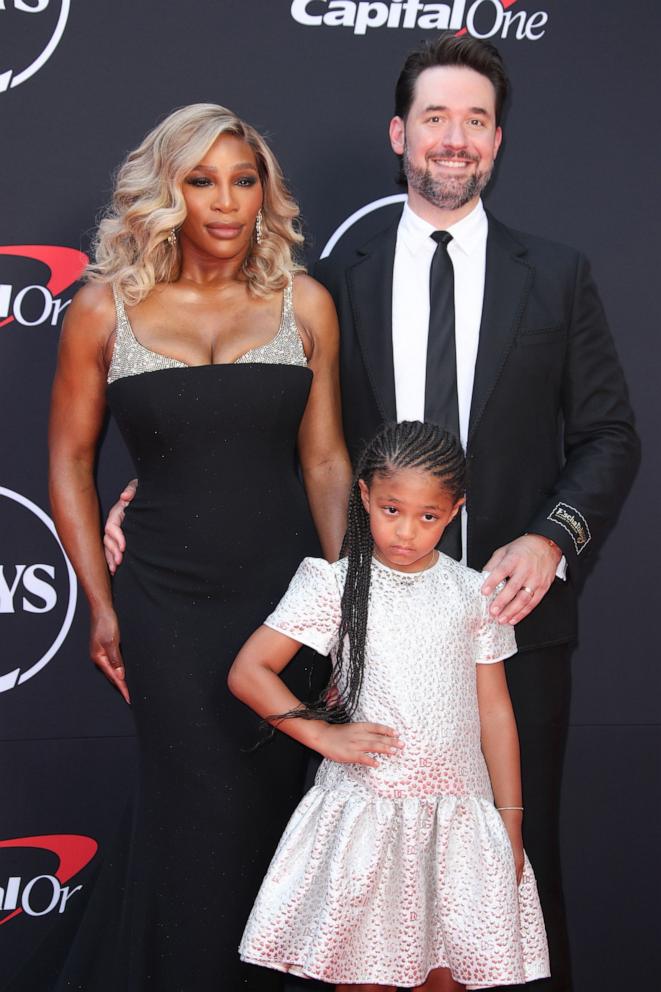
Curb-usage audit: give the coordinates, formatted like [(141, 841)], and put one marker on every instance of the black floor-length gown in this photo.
[(218, 526)]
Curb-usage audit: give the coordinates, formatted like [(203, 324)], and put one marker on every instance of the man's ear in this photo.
[(497, 141), (364, 495), (397, 132)]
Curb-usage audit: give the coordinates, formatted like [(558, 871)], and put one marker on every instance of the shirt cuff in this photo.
[(561, 570)]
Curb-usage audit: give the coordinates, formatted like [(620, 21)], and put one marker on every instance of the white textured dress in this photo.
[(386, 873)]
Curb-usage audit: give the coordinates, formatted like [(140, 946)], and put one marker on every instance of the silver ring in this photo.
[(528, 590)]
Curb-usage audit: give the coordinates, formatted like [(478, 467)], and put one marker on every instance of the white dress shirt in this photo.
[(410, 315), (410, 308)]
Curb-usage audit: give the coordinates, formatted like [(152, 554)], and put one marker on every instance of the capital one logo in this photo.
[(30, 31), (35, 893), (38, 590), (479, 18), (32, 277)]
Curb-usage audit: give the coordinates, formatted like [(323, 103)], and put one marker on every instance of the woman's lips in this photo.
[(224, 231)]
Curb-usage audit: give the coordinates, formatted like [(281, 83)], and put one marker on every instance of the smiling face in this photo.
[(408, 509), (449, 141), (223, 194)]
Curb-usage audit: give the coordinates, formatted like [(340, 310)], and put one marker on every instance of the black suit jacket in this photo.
[(552, 447)]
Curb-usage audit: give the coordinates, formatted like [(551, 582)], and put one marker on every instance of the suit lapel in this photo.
[(370, 292), (508, 278)]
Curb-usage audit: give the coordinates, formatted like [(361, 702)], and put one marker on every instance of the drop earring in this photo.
[(172, 238), (258, 227)]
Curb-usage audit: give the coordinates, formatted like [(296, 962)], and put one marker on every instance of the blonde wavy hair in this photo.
[(131, 248)]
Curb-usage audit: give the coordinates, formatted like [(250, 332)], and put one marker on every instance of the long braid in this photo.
[(409, 444)]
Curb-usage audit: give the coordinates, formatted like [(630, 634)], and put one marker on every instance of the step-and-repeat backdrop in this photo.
[(81, 81)]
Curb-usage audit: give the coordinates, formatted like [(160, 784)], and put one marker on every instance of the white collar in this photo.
[(469, 233)]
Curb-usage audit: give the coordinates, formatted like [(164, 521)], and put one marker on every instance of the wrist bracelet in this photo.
[(501, 808)]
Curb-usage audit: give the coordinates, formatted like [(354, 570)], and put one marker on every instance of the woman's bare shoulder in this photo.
[(310, 293), (94, 299), (314, 307), (92, 310)]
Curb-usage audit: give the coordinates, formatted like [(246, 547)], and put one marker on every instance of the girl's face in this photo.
[(408, 511), (223, 194)]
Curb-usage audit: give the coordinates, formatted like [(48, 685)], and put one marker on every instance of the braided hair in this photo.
[(409, 444)]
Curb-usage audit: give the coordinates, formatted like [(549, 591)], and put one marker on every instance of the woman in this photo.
[(217, 356)]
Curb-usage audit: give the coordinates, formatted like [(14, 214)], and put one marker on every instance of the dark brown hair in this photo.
[(448, 49)]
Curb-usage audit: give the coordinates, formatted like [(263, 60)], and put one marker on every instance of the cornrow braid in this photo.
[(409, 444)]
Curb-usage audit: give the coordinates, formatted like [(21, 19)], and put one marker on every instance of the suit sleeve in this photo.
[(601, 446)]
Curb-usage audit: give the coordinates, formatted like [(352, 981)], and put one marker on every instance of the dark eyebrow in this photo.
[(212, 168), (427, 506), (471, 110)]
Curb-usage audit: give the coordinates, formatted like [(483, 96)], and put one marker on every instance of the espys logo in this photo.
[(480, 18), (37, 589), (30, 302), (27, 38), (40, 894)]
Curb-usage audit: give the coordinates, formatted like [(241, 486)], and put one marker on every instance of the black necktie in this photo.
[(441, 403)]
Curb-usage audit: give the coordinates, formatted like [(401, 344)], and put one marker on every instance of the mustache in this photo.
[(448, 153)]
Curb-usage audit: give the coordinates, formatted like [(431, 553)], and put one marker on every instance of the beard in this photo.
[(450, 192)]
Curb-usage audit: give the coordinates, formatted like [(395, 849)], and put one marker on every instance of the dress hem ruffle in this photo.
[(348, 856), (533, 974)]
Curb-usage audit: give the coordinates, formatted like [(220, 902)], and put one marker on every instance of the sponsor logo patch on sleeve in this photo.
[(574, 523)]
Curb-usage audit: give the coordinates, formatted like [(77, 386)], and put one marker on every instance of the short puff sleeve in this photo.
[(310, 610), (494, 641)]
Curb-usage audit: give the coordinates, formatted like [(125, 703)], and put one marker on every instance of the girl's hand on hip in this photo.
[(104, 650), (357, 743)]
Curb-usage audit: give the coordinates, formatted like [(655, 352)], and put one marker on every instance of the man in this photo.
[(501, 337)]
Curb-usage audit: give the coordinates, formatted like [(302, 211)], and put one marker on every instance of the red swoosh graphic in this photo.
[(66, 265), (74, 851), (503, 3)]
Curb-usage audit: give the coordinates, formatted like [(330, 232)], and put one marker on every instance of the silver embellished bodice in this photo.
[(130, 357)]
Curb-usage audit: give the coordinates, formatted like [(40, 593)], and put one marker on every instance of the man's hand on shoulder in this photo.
[(528, 565)]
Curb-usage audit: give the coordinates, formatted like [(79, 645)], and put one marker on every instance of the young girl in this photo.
[(404, 864)]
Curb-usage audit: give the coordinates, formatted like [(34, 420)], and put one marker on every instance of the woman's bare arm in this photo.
[(500, 746), (77, 412), (323, 455)]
